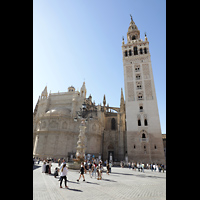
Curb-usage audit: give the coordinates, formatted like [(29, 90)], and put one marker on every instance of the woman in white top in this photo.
[(63, 174), (44, 167)]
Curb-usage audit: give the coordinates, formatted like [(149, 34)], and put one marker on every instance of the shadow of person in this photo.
[(75, 190)]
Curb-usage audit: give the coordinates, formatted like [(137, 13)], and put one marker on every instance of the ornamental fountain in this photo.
[(80, 149)]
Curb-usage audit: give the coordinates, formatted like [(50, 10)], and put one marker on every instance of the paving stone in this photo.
[(122, 183)]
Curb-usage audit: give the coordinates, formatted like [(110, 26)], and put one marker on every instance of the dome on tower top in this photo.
[(71, 89), (132, 26), (133, 32)]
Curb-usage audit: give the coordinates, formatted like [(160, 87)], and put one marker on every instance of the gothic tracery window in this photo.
[(113, 124)]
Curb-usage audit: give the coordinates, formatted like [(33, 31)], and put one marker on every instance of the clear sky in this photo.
[(81, 40)]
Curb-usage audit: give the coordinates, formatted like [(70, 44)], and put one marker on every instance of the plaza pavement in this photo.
[(122, 183)]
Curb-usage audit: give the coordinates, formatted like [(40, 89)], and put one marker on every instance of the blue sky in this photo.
[(81, 40)]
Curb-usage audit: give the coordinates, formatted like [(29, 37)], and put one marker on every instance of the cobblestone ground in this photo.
[(122, 183)]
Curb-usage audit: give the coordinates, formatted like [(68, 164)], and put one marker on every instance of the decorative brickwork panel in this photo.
[(146, 73), (129, 73), (131, 96), (64, 125), (148, 89)]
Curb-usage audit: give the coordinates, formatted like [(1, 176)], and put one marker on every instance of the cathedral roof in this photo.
[(58, 111)]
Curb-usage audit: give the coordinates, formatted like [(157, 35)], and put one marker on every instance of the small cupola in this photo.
[(133, 32), (71, 89)]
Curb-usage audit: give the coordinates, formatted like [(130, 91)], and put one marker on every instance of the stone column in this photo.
[(35, 146)]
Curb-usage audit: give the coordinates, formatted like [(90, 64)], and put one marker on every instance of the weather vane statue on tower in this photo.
[(131, 17)]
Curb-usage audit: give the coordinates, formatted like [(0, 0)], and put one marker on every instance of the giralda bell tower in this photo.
[(144, 138)]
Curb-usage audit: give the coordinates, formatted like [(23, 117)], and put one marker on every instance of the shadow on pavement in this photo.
[(36, 166), (143, 176), (103, 179), (73, 182), (121, 173), (75, 190), (92, 183)]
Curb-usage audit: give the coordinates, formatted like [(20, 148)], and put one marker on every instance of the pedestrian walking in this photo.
[(156, 167), (63, 175), (152, 167), (56, 172), (47, 168), (63, 162), (61, 165), (99, 170), (163, 168), (142, 167), (94, 169), (138, 166), (90, 169), (82, 169), (59, 161), (129, 165), (86, 166), (50, 167), (108, 167), (44, 167)]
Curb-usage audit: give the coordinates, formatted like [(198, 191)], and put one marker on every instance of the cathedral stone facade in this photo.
[(55, 132), (130, 132)]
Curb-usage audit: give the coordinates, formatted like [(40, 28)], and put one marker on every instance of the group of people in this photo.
[(46, 167), (93, 168), (62, 169), (142, 166)]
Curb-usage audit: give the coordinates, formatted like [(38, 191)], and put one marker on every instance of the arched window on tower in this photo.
[(133, 37), (145, 122), (125, 54), (145, 50), (139, 122), (113, 124), (135, 51), (143, 135), (130, 52)]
